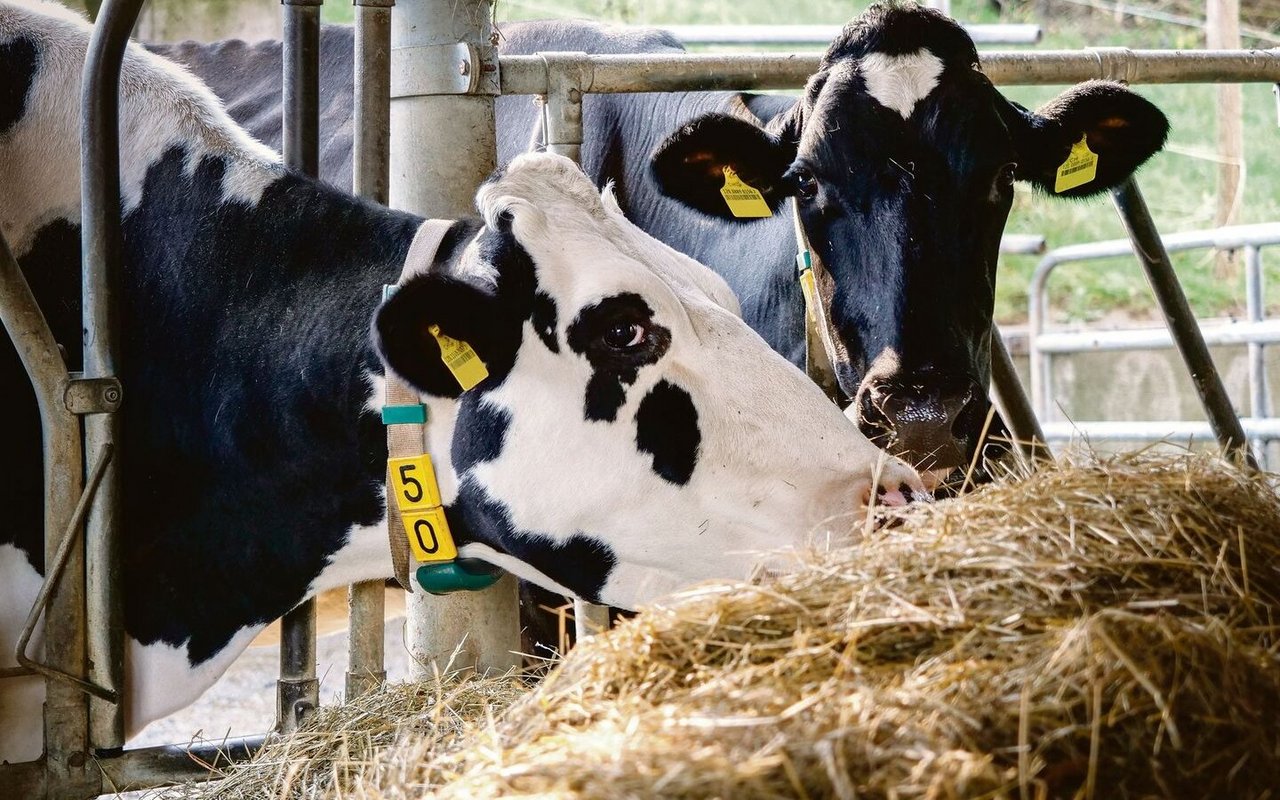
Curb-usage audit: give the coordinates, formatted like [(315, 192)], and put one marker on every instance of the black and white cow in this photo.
[(633, 435), (902, 157)]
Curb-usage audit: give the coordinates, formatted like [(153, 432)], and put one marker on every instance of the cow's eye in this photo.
[(1004, 178), (624, 335), (806, 184)]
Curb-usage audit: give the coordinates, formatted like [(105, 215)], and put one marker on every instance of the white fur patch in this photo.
[(900, 82), (20, 698)]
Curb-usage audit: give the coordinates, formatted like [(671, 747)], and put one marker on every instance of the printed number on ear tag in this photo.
[(413, 481), (744, 201), (461, 359), (1081, 167), (429, 535)]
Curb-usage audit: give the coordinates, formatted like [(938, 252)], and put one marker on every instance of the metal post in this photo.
[(443, 82), (102, 242), (66, 719), (1180, 319), (366, 602), (1018, 414), (569, 78), (297, 690), (1259, 407)]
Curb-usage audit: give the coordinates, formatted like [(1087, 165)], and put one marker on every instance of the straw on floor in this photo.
[(1098, 630)]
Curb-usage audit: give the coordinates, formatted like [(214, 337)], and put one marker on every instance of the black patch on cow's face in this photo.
[(19, 60), (617, 336), (667, 429), (544, 320), (582, 563), (480, 434)]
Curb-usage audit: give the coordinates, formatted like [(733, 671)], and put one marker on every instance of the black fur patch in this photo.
[(19, 60), (581, 564), (544, 320), (667, 428), (615, 369)]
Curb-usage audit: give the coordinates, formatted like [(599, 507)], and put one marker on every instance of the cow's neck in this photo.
[(256, 447)]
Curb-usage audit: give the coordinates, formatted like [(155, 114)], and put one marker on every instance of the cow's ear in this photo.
[(689, 166), (1121, 128), (407, 329)]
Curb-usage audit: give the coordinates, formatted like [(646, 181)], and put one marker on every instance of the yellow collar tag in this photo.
[(744, 201), (462, 361), (417, 493), (1080, 168)]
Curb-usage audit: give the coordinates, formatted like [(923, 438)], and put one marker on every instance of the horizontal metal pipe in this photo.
[(1235, 333), (1124, 431), (672, 72), (150, 767), (824, 34)]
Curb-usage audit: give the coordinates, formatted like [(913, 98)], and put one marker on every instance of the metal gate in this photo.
[(454, 69), (1255, 332)]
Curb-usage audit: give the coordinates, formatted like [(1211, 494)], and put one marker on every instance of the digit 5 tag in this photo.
[(429, 536), (413, 480)]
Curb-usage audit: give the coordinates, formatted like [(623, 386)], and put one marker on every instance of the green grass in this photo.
[(1179, 184)]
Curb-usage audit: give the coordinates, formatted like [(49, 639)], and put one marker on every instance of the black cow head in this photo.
[(902, 159)]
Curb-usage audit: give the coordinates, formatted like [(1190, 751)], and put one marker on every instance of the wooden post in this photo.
[(1222, 31)]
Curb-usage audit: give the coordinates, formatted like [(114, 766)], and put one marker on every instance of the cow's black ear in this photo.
[(403, 335), (689, 166), (1122, 128)]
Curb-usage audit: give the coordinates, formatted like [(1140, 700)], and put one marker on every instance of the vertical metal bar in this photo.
[(443, 145), (1180, 319), (1038, 320), (297, 690), (1018, 414), (1253, 290), (102, 242), (66, 715), (569, 77), (366, 602)]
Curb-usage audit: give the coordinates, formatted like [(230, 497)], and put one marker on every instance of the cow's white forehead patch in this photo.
[(900, 81)]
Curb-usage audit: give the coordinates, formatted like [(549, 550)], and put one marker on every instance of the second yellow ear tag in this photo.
[(461, 359), (1080, 168), (744, 201)]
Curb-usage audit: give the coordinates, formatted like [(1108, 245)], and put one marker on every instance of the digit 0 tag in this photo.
[(744, 200), (413, 480), (429, 536), (461, 359)]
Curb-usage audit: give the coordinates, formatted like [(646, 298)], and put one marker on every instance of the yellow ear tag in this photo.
[(744, 201), (462, 361), (1080, 168)]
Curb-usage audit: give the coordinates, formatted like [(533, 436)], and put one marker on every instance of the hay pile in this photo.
[(1104, 630)]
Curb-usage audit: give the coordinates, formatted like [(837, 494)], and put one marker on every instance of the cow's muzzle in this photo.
[(930, 423)]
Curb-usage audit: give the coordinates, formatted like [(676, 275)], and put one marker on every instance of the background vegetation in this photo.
[(1179, 184)]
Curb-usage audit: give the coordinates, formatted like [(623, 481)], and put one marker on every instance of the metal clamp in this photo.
[(1116, 63), (433, 69), (569, 76), (93, 395)]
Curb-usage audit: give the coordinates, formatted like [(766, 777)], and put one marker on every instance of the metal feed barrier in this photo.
[(445, 71), (1255, 332)]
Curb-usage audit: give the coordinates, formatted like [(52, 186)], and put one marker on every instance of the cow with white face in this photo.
[(633, 435)]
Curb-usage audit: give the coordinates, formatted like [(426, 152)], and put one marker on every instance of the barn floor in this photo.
[(242, 702)]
